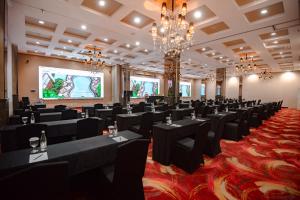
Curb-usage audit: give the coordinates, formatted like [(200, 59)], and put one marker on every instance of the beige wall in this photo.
[(283, 86), (28, 79), (232, 87), (210, 90)]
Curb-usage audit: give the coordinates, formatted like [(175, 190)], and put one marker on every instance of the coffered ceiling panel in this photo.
[(265, 12), (221, 26), (104, 7), (137, 20)]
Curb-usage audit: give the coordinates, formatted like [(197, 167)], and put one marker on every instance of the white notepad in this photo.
[(38, 157), (120, 139), (176, 125)]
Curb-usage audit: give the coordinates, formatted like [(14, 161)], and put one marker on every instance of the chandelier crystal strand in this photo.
[(173, 34), (265, 75)]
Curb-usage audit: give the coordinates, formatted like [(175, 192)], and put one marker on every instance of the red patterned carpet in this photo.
[(264, 165)]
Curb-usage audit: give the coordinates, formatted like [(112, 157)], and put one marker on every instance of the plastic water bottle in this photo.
[(115, 128), (32, 119), (43, 141)]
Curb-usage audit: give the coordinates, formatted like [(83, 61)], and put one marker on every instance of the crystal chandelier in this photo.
[(211, 77), (246, 64), (173, 34), (265, 75), (94, 54)]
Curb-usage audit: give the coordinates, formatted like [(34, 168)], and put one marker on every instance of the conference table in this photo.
[(228, 116), (82, 155), (106, 112), (165, 137), (55, 130), (178, 114), (125, 121)]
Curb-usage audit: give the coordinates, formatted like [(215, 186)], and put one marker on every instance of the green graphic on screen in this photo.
[(141, 86), (185, 89), (58, 83)]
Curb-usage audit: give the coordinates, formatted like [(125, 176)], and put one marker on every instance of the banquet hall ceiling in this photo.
[(63, 28)]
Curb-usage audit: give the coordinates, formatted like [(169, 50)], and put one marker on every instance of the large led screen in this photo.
[(59, 83), (142, 86), (185, 89)]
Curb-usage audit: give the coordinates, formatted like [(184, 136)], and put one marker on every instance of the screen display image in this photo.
[(59, 83), (185, 89), (142, 86)]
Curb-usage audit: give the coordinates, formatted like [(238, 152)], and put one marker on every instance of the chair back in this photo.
[(50, 181), (205, 111), (146, 124), (98, 106), (69, 114), (23, 133), (60, 108), (89, 127), (25, 101), (27, 114), (217, 126), (116, 110), (131, 161), (117, 105), (141, 106)]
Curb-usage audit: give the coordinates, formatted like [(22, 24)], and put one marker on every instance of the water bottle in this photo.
[(32, 119), (115, 128), (43, 141), (86, 113)]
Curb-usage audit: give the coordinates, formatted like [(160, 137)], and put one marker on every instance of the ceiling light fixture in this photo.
[(264, 11), (128, 45), (102, 3), (146, 50), (69, 41), (83, 27), (241, 48), (203, 49), (94, 59), (265, 75), (41, 22), (197, 14), (105, 39), (247, 64), (115, 51), (137, 20), (275, 42), (273, 34), (177, 33), (37, 42), (221, 57), (137, 43)]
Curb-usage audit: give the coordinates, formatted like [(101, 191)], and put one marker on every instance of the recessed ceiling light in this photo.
[(127, 45), (162, 30), (105, 39), (137, 43), (146, 50), (102, 3), (41, 22), (83, 27), (115, 51), (197, 14), (227, 60), (203, 49), (37, 42), (275, 42), (213, 53), (137, 20), (273, 34), (221, 57), (264, 11), (70, 41), (35, 51), (281, 53), (241, 48)]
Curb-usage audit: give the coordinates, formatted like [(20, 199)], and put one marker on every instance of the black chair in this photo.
[(258, 102), (141, 106), (187, 153), (234, 130), (115, 111), (40, 181), (89, 127), (23, 133), (28, 114), (205, 111), (69, 114), (212, 146), (145, 128), (117, 105), (60, 108), (126, 175), (98, 106), (25, 102)]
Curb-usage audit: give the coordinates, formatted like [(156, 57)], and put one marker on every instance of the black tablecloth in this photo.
[(82, 155), (46, 110), (103, 113), (228, 116), (165, 136), (178, 114), (125, 121), (55, 129)]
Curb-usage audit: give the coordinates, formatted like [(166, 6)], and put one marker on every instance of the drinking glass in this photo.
[(193, 116), (34, 142), (111, 130), (24, 120), (115, 132)]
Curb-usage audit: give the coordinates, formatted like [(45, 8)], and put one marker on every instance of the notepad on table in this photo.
[(120, 139), (38, 157)]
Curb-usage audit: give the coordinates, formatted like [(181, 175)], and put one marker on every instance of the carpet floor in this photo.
[(263, 165)]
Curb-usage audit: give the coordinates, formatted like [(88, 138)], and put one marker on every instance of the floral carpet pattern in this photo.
[(263, 165)]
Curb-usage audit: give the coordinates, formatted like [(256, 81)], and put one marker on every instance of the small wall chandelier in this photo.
[(265, 75), (94, 59), (211, 77), (246, 65), (173, 34)]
